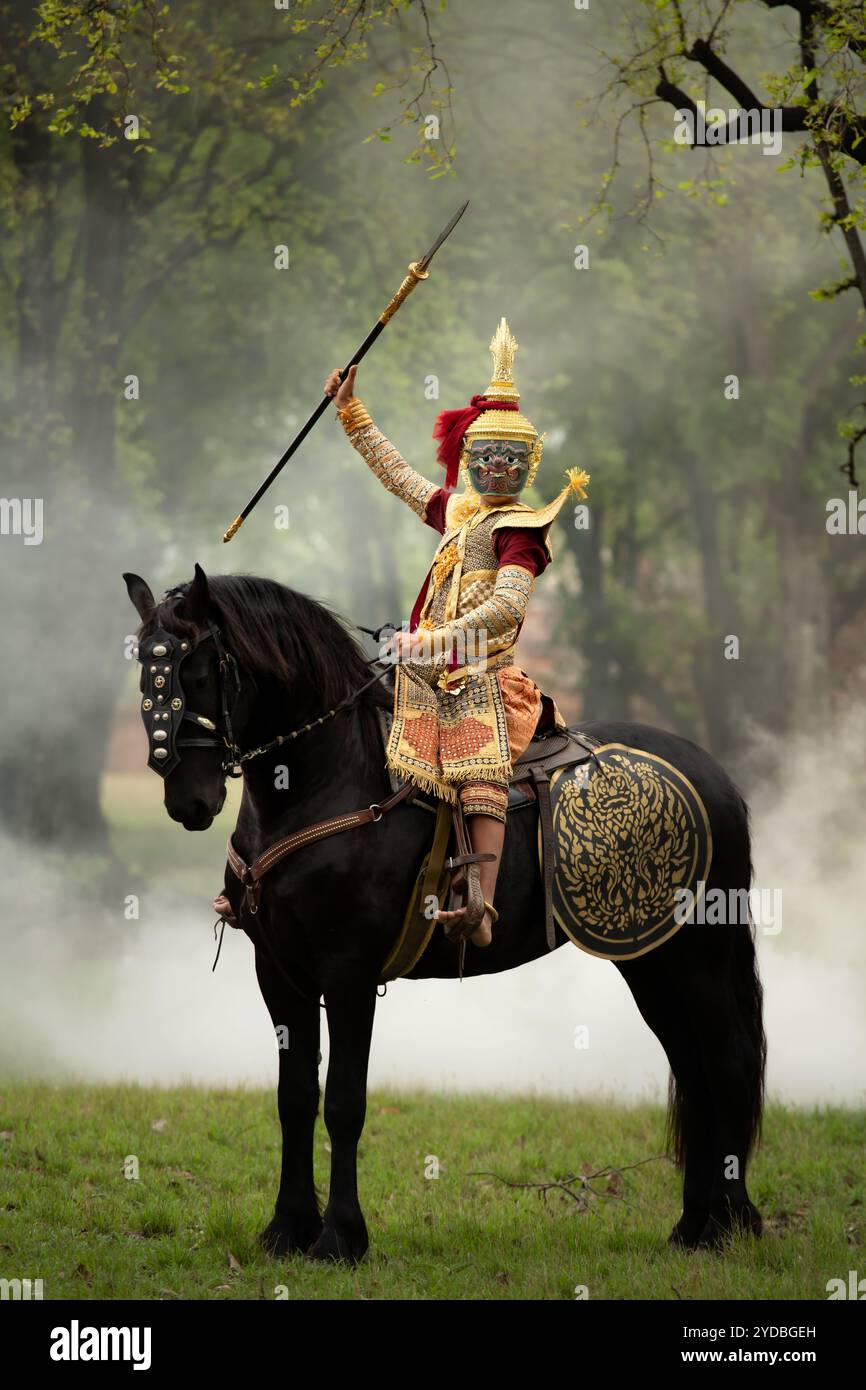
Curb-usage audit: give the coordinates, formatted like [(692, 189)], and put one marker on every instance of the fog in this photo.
[(138, 1001), (705, 523)]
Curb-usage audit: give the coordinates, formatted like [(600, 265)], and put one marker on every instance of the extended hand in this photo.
[(401, 645), (344, 392)]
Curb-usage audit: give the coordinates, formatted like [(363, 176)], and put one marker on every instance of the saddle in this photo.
[(552, 747)]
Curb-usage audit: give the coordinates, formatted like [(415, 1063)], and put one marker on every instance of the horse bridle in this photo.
[(163, 707)]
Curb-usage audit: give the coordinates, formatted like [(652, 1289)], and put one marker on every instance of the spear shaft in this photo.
[(416, 273)]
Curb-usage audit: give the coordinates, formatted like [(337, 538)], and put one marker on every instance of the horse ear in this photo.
[(139, 592), (197, 604)]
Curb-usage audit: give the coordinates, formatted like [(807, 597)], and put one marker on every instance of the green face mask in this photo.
[(498, 467)]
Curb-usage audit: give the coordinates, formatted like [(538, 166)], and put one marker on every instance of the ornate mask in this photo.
[(498, 467)]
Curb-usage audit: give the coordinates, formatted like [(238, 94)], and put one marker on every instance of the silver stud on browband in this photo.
[(184, 646), (176, 704), (159, 681), (147, 704), (160, 735), (160, 752), (152, 669), (206, 723), (160, 650)]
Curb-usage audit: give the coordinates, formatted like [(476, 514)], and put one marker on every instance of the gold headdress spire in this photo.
[(504, 424), (503, 347)]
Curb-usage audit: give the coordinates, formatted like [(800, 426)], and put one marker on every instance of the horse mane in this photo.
[(276, 633)]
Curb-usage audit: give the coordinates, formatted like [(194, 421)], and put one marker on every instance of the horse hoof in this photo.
[(289, 1236), (719, 1230), (714, 1236), (687, 1232), (338, 1249)]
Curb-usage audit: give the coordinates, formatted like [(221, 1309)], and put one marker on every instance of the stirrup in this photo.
[(459, 863), (463, 930), (475, 905)]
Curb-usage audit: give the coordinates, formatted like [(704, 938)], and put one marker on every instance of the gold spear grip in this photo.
[(412, 279)]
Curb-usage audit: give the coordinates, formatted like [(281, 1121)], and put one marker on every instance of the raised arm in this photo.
[(378, 453)]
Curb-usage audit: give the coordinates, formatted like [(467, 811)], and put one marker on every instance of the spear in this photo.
[(417, 272)]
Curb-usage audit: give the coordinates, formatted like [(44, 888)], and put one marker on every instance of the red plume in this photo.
[(450, 428)]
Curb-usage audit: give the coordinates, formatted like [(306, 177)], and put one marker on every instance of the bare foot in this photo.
[(483, 933)]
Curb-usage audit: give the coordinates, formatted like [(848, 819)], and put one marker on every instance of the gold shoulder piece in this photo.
[(540, 518), (458, 508), (534, 516)]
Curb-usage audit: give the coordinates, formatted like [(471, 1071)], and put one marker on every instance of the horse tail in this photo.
[(675, 1139), (750, 1002), (749, 995)]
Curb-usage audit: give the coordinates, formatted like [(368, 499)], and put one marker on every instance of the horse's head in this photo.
[(193, 703)]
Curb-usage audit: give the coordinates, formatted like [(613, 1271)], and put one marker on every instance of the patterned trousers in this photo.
[(522, 700)]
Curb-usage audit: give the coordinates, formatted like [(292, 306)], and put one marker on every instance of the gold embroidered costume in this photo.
[(463, 712)]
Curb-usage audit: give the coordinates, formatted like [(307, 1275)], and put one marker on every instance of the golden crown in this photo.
[(504, 424)]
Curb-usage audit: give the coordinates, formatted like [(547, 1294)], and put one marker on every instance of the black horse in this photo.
[(330, 913)]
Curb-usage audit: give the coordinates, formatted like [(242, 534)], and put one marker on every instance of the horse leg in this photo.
[(657, 989), (734, 1050), (350, 1028), (296, 1221)]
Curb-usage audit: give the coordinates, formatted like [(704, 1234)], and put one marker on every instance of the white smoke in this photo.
[(87, 994)]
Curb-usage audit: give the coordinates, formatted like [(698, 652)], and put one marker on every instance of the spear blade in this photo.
[(443, 236)]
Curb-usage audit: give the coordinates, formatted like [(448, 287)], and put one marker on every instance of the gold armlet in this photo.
[(353, 416)]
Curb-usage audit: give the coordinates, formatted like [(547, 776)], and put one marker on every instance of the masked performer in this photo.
[(463, 712)]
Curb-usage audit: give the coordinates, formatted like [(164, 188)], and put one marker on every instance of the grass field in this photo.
[(208, 1163)]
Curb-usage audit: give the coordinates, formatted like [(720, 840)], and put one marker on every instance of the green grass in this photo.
[(208, 1170)]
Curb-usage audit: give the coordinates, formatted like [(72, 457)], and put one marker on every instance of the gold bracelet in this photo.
[(353, 415)]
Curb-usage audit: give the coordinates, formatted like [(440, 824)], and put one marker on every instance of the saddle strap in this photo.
[(251, 875), (418, 927), (456, 861), (541, 778)]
